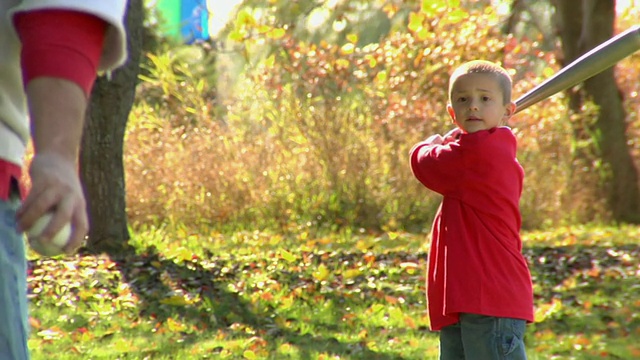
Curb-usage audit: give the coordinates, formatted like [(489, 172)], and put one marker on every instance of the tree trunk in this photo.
[(101, 162), (584, 25)]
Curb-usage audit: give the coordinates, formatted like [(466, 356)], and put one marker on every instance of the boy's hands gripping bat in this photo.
[(590, 64)]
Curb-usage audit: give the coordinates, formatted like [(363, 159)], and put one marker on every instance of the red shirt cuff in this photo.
[(60, 43), (10, 173)]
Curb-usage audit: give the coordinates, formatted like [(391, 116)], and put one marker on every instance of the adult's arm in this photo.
[(61, 51)]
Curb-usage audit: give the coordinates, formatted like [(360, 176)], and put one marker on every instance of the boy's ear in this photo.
[(510, 109), (451, 112)]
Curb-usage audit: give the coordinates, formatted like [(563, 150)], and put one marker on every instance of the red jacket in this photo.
[(475, 262)]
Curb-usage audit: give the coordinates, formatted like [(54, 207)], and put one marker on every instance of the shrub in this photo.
[(317, 135)]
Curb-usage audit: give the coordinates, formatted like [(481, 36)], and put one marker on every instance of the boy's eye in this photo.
[(486, 98), (462, 99)]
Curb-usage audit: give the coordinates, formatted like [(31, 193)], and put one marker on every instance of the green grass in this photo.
[(349, 296)]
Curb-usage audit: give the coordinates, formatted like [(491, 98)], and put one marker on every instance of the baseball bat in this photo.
[(586, 66)]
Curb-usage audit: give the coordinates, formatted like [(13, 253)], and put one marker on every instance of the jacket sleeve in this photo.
[(438, 167), (114, 52)]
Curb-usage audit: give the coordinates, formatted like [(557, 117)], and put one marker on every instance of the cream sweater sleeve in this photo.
[(14, 121)]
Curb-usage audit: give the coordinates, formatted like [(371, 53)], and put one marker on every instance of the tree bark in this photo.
[(101, 154), (582, 26)]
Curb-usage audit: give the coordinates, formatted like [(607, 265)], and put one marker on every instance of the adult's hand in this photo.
[(57, 108), (55, 188)]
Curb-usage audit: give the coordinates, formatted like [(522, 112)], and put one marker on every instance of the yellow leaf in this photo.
[(277, 34), (236, 35), (362, 245), (545, 310), (382, 76), (176, 300), (184, 254), (322, 273), (245, 18), (352, 38), (457, 16), (287, 302), (342, 63), (275, 239), (248, 354), (372, 345), (546, 72), (415, 21), (351, 273), (175, 326), (289, 257), (85, 294), (348, 48), (423, 34), (124, 346), (432, 7)]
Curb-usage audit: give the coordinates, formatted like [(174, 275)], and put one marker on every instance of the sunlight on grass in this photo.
[(585, 235), (178, 242), (261, 296)]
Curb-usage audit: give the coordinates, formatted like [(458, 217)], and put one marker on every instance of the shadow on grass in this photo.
[(596, 286), (154, 279), (551, 266)]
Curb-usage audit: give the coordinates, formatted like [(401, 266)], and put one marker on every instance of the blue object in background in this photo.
[(195, 20), (188, 19)]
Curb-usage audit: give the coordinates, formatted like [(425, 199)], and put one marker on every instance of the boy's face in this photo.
[(477, 104)]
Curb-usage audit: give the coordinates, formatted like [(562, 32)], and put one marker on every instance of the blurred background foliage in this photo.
[(299, 115)]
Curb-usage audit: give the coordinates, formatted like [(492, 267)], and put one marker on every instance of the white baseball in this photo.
[(55, 245)]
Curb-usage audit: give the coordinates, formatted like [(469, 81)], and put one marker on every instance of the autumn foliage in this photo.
[(315, 135)]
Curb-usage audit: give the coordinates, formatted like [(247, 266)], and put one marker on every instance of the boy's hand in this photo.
[(434, 140), (452, 135)]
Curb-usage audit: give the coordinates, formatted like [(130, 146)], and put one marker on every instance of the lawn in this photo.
[(254, 295)]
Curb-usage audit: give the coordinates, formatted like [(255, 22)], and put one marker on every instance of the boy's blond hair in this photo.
[(484, 67)]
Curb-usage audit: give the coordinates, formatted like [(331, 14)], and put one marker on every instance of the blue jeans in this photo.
[(479, 337), (13, 285)]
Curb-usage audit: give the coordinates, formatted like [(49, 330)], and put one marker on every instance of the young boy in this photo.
[(479, 287)]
